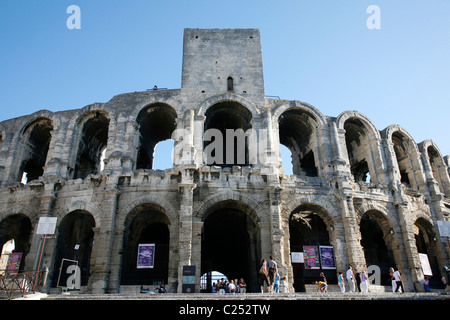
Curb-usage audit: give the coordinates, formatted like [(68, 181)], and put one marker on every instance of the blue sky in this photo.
[(320, 52)]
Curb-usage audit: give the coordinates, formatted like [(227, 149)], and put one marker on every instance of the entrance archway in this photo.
[(16, 227), (307, 228), (375, 235), (147, 225), (74, 242), (230, 243), (426, 244)]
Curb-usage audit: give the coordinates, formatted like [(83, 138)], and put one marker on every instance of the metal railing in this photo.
[(19, 284)]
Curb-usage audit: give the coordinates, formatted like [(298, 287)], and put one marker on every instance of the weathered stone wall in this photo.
[(408, 190)]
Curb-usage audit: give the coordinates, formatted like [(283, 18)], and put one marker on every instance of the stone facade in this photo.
[(375, 196)]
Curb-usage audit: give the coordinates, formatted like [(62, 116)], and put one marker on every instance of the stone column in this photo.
[(352, 234), (185, 227), (55, 150), (412, 270), (276, 230), (103, 242)]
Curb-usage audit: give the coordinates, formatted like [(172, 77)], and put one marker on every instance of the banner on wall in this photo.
[(146, 256), (13, 264), (311, 257), (327, 257), (426, 268)]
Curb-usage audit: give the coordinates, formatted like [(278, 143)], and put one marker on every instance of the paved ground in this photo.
[(253, 305), (243, 297)]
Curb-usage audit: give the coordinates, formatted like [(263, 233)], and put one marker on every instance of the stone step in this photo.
[(255, 296)]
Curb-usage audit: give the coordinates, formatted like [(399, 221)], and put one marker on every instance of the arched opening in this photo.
[(308, 229), (225, 134), (163, 155), (358, 149), (92, 143), (403, 148), (156, 123), (74, 242), (230, 244), (286, 159), (375, 233), (36, 141), (148, 228), (16, 228), (296, 128), (209, 280), (438, 169), (426, 245)]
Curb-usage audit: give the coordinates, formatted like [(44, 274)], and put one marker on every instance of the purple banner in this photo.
[(327, 257), (146, 256)]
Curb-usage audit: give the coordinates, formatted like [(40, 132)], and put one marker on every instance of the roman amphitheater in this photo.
[(374, 197)]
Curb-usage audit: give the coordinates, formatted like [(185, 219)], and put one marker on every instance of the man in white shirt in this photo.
[(350, 279), (398, 281)]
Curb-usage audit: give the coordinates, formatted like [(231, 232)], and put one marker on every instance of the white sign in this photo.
[(444, 228), (426, 268), (47, 225), (297, 257)]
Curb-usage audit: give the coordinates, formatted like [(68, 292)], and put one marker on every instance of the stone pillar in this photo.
[(103, 242), (412, 270), (276, 229), (352, 234), (184, 147), (47, 202), (198, 139), (55, 151), (116, 259), (186, 188)]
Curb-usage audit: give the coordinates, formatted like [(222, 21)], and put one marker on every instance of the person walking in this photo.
[(364, 281), (263, 275), (426, 284), (341, 282), (324, 280), (276, 283), (272, 268), (357, 277), (393, 283), (283, 285), (350, 279), (398, 281)]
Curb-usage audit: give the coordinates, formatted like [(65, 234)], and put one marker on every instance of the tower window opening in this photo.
[(230, 84)]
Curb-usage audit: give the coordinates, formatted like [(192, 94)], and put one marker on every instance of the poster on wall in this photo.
[(327, 257), (13, 264), (426, 268), (311, 257), (146, 256), (297, 257)]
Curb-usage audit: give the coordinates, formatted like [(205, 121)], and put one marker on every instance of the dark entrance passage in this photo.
[(307, 228), (147, 227), (374, 240), (75, 241), (426, 244), (16, 227), (229, 245)]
